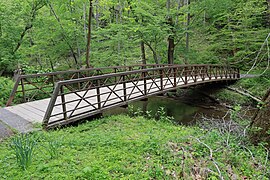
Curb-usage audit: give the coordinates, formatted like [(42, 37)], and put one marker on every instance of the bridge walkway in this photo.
[(80, 98)]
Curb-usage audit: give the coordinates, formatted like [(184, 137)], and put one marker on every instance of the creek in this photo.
[(183, 110)]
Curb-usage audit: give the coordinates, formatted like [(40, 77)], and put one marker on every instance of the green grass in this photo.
[(120, 147)]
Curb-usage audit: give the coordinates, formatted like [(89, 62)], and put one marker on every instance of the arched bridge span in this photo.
[(79, 98)]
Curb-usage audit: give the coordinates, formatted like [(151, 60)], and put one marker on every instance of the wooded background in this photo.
[(44, 35)]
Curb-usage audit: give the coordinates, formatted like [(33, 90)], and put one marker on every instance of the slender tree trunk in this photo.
[(29, 25), (143, 52), (88, 47), (97, 14), (21, 38), (154, 53), (178, 8), (63, 34), (171, 43), (84, 24), (171, 46), (51, 63), (187, 26), (261, 121), (268, 14), (187, 33), (79, 53)]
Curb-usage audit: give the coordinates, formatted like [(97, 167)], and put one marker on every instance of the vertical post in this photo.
[(174, 77), (51, 79), (195, 73), (13, 92), (23, 90), (216, 76), (203, 70), (144, 83), (161, 79), (98, 94), (63, 102), (115, 71), (221, 72), (186, 74), (79, 84), (238, 72), (124, 88), (210, 72)]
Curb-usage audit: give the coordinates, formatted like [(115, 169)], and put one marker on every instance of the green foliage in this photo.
[(120, 147), (6, 86), (162, 115), (219, 31), (132, 111), (232, 97), (54, 147), (258, 85), (159, 115), (23, 146)]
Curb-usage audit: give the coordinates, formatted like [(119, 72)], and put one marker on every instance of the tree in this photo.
[(261, 121), (89, 34)]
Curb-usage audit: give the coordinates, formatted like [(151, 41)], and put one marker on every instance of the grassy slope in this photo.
[(132, 148)]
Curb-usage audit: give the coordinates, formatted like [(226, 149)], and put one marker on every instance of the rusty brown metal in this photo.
[(32, 87), (98, 93)]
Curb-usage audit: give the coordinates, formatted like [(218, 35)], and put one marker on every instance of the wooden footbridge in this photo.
[(60, 98)]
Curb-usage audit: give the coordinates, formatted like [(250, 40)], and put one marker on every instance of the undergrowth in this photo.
[(121, 147), (256, 87)]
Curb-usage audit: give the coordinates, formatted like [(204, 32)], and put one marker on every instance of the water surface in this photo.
[(182, 112)]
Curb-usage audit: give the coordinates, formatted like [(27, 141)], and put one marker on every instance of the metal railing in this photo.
[(39, 86), (80, 98)]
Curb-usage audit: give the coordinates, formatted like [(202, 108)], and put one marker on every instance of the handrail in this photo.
[(42, 84), (71, 102)]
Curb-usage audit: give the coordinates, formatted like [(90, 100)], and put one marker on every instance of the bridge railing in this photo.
[(39, 86), (71, 102)]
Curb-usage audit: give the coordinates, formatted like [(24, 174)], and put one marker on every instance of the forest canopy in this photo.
[(44, 35)]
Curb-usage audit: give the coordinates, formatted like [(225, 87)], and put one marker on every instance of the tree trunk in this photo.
[(97, 14), (84, 24), (171, 49), (29, 25), (268, 14), (64, 35), (261, 122), (171, 44), (89, 35), (154, 53), (143, 53), (187, 29)]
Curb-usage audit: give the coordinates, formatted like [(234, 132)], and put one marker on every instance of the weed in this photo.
[(23, 146), (53, 148), (132, 111), (162, 115)]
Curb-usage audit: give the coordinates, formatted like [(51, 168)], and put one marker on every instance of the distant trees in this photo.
[(58, 34)]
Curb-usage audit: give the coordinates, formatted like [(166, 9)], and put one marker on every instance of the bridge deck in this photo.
[(34, 111), (68, 104)]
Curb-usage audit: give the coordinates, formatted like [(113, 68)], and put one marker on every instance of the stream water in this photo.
[(182, 111)]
